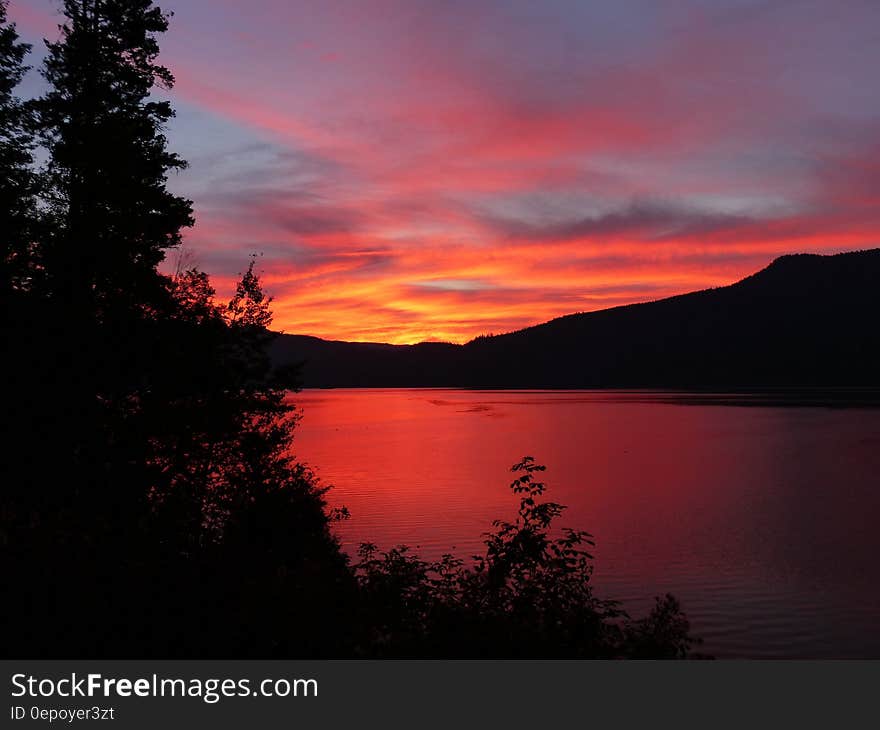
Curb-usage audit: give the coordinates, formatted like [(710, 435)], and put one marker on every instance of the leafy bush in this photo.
[(529, 595)]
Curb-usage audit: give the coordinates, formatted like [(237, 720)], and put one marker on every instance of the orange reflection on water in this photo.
[(762, 519)]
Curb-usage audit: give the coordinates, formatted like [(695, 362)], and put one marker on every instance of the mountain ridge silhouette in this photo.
[(805, 320)]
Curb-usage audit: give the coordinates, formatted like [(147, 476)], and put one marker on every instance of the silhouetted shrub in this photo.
[(530, 594)]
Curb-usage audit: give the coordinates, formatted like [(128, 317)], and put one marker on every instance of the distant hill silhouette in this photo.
[(804, 321)]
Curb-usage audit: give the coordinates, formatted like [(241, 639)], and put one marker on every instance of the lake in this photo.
[(761, 519)]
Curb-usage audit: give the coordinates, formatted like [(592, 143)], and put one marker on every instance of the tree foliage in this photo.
[(529, 595), (109, 163), (17, 181)]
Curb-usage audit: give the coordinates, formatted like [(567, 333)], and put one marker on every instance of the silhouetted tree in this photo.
[(19, 317), (85, 331), (109, 162), (225, 489), (17, 202), (529, 595)]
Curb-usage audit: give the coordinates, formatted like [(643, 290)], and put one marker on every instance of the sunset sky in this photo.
[(437, 170)]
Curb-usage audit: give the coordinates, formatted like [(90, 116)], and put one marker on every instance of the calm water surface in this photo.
[(762, 520)]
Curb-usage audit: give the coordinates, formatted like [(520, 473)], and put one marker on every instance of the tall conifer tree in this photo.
[(16, 177), (109, 158)]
